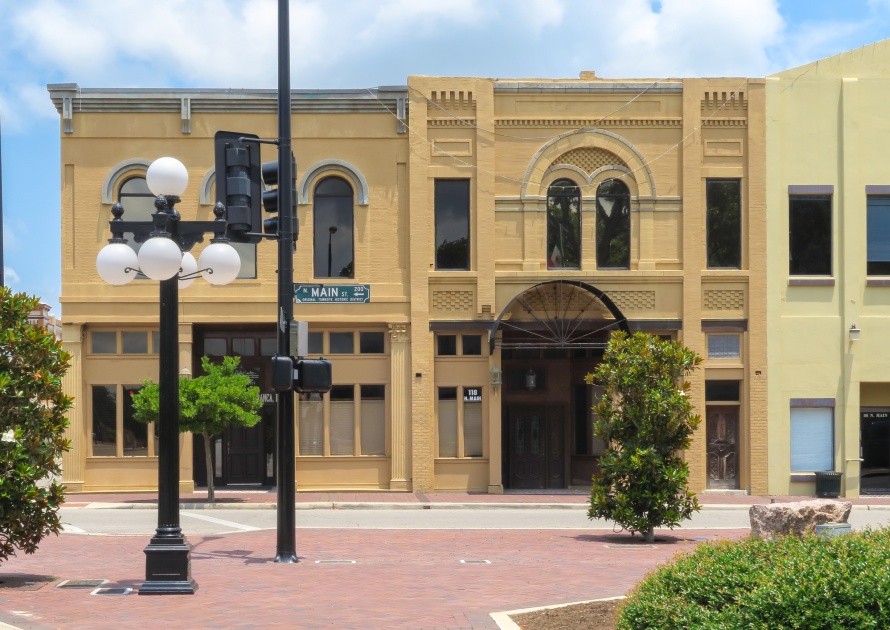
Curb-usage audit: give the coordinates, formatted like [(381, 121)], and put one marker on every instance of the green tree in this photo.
[(220, 398), (32, 426), (645, 418)]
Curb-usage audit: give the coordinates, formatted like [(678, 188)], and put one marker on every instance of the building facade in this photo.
[(467, 246), (829, 301)]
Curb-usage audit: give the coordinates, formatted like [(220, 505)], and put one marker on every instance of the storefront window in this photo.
[(104, 420), (460, 414), (135, 432)]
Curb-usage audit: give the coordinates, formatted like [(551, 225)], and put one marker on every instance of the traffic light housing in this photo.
[(239, 183), (303, 375), (312, 376), (270, 197)]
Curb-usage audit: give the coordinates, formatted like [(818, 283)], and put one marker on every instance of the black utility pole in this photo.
[(286, 550), (2, 271)]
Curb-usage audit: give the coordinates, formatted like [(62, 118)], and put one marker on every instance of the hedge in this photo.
[(807, 582)]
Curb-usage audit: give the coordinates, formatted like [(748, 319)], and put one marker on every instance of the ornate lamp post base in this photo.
[(168, 568)]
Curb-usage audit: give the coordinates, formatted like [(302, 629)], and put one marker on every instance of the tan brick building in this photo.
[(501, 228)]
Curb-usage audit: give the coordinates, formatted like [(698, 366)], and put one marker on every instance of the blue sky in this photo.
[(362, 43)]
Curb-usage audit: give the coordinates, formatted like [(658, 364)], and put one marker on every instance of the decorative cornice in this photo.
[(590, 87), (451, 122), (201, 100), (399, 333), (589, 122), (725, 122)]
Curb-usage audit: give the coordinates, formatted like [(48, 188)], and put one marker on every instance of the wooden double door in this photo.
[(536, 449)]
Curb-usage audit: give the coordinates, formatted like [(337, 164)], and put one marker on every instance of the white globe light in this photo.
[(167, 176), (117, 263), (160, 258), (189, 267), (220, 263)]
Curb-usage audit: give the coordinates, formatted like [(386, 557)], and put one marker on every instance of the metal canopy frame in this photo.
[(559, 329)]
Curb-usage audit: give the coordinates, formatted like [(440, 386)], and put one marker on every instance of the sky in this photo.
[(359, 44)]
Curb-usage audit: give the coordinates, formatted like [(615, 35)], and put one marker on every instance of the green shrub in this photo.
[(32, 427), (645, 418), (806, 583)]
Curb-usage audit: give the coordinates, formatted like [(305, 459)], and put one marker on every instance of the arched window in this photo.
[(612, 225), (333, 221), (563, 225), (138, 203)]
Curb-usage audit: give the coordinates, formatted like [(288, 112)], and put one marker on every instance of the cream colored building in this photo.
[(829, 272), (503, 229)]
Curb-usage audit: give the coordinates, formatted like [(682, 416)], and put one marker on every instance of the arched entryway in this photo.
[(550, 336)]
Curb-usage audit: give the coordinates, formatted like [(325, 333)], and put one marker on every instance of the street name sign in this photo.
[(332, 293)]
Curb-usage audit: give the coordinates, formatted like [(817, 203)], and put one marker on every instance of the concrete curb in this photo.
[(368, 505), (504, 621)]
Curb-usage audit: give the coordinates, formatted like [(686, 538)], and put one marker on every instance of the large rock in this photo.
[(796, 518)]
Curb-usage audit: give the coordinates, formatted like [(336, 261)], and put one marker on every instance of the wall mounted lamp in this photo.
[(497, 377), (531, 380), (855, 333)]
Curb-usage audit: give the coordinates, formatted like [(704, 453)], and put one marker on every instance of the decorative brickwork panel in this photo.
[(589, 160), (724, 102), (633, 300), (446, 301), (553, 302), (724, 300)]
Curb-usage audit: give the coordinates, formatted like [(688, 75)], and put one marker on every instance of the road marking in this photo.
[(67, 528), (219, 521)]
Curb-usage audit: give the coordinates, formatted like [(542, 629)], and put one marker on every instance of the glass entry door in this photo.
[(874, 436)]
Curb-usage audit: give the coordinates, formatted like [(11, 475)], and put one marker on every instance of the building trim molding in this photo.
[(533, 179), (117, 172), (333, 167)]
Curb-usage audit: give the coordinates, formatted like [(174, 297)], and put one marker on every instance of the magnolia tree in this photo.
[(207, 404), (645, 419), (32, 426)]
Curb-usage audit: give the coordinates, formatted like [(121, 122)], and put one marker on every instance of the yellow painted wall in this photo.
[(511, 138), (826, 125)]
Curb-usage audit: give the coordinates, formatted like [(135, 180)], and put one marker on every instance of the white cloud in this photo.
[(686, 37), (11, 240), (10, 277), (541, 14), (203, 42)]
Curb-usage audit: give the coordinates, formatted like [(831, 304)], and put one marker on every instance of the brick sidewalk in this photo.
[(404, 579)]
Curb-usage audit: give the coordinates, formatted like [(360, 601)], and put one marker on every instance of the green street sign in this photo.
[(332, 293)]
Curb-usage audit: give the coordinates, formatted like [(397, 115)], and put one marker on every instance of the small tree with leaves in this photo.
[(32, 426), (645, 418), (220, 398)]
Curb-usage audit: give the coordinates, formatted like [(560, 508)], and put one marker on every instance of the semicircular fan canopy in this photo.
[(558, 314)]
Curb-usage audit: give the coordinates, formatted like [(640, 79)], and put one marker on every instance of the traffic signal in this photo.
[(302, 375), (238, 183), (312, 376), (270, 197)]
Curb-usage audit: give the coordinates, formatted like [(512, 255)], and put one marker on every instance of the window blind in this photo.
[(812, 439)]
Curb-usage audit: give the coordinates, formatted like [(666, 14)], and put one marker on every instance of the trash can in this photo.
[(828, 484)]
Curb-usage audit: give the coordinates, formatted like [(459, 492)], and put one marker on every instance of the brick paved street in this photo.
[(401, 579)]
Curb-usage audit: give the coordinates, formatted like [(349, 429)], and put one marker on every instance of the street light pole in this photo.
[(286, 547), (167, 557), (161, 257)]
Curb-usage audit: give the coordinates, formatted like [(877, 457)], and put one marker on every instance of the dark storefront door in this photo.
[(722, 433), (875, 451), (245, 460), (536, 447)]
